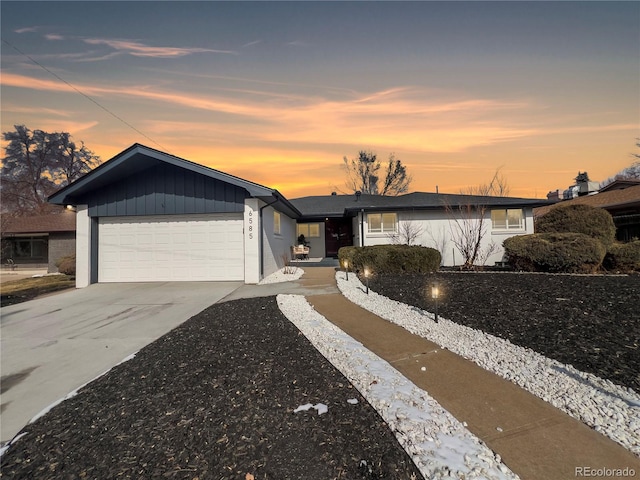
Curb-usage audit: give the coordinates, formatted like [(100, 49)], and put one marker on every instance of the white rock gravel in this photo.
[(610, 409), (280, 276), (440, 446)]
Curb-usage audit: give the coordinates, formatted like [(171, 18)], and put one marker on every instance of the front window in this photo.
[(309, 230), (276, 223), (508, 219), (382, 222)]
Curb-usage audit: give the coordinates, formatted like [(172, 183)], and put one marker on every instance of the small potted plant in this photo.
[(302, 240)]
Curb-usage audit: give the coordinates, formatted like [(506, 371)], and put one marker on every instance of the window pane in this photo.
[(499, 219), (314, 230), (375, 222), (389, 222), (303, 229), (515, 218)]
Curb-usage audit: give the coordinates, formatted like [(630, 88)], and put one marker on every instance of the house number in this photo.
[(250, 225)]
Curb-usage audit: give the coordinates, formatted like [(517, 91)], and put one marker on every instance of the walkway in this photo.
[(536, 440)]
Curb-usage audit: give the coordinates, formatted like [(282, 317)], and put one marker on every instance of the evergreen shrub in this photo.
[(391, 259), (592, 221), (623, 257), (555, 252)]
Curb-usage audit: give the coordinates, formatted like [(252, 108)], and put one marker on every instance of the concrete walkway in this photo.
[(536, 440)]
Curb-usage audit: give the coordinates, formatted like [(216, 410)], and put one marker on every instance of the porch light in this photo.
[(367, 274), (435, 294), (71, 207)]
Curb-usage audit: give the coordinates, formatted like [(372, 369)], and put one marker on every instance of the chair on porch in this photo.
[(299, 251)]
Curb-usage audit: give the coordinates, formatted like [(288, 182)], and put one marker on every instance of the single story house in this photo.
[(621, 199), (429, 219), (38, 241), (146, 215)]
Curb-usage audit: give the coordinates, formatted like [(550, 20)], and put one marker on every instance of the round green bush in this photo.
[(555, 253), (592, 221), (623, 257), (67, 265), (391, 259)]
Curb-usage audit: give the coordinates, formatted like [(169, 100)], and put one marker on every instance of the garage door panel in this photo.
[(170, 248)]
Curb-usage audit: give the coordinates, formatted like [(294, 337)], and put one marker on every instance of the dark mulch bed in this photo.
[(590, 322), (214, 399)]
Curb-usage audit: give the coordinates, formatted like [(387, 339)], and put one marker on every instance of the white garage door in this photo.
[(170, 248)]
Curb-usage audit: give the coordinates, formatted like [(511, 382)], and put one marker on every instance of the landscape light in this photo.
[(367, 273), (346, 269), (435, 294)]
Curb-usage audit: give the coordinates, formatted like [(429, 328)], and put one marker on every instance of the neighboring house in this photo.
[(146, 215), (38, 241), (620, 198), (332, 221)]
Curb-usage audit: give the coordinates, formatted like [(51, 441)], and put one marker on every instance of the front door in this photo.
[(337, 233)]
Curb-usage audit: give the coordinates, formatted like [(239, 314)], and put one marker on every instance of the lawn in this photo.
[(17, 291)]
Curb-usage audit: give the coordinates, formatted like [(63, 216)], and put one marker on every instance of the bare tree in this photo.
[(72, 161), (408, 233), (632, 172), (36, 163), (363, 175), (468, 220)]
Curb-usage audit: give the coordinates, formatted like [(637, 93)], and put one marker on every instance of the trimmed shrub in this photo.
[(67, 265), (623, 257), (555, 252), (391, 259), (592, 221)]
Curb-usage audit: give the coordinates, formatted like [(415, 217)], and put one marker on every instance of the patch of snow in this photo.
[(320, 407), (440, 446), (611, 409), (352, 401), (280, 276)]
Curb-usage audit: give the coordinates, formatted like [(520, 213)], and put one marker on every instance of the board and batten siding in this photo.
[(165, 190)]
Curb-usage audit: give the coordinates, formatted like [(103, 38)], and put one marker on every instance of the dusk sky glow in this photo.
[(278, 92)]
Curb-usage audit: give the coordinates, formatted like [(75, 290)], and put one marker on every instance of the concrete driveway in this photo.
[(53, 345)]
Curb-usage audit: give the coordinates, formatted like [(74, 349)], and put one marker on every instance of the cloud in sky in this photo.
[(400, 116), (139, 49)]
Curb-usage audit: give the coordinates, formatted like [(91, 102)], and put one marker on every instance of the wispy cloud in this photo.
[(251, 44), (34, 110), (138, 49), (53, 36), (388, 119), (26, 30)]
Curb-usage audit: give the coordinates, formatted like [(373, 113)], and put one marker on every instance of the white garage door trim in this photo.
[(171, 248)]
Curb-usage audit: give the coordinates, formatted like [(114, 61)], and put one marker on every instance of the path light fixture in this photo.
[(346, 268), (367, 274), (435, 294)]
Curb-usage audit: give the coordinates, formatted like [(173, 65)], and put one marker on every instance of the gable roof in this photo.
[(339, 205), (61, 222), (610, 199), (139, 157)]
